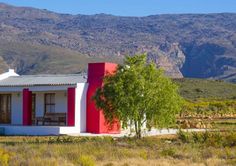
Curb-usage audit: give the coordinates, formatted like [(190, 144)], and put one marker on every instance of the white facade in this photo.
[(69, 110), (16, 109), (80, 106), (16, 126)]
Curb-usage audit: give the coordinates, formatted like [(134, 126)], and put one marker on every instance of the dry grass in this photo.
[(170, 150), (164, 162)]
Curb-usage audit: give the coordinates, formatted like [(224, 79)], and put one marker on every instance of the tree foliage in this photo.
[(138, 94)]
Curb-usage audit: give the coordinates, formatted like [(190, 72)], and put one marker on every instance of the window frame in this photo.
[(50, 104)]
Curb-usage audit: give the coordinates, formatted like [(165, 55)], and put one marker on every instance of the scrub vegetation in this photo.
[(207, 102), (210, 148), (206, 108), (193, 89)]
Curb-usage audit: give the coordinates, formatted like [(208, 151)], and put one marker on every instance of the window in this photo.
[(50, 103), (5, 108)]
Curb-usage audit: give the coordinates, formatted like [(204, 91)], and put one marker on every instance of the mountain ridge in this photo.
[(190, 45), (79, 14)]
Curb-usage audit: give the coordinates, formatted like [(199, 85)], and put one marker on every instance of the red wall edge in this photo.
[(71, 107), (95, 121), (27, 107)]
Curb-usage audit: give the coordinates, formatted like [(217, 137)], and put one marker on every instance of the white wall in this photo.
[(80, 106), (60, 101), (39, 104), (83, 107), (61, 104), (16, 109)]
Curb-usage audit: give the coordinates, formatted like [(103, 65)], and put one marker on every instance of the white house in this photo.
[(53, 104)]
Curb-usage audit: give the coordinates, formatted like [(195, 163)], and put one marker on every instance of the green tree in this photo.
[(137, 94)]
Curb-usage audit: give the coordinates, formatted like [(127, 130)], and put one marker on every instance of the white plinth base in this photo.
[(40, 130)]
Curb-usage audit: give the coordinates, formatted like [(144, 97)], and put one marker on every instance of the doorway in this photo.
[(5, 108)]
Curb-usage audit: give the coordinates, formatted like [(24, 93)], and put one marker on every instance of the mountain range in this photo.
[(185, 45)]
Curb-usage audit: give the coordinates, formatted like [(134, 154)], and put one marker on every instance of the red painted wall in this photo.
[(27, 107), (70, 106), (95, 121)]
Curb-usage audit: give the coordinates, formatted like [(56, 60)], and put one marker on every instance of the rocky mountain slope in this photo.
[(189, 45)]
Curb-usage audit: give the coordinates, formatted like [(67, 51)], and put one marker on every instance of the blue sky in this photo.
[(130, 7)]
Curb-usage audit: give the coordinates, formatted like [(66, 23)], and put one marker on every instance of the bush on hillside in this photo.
[(215, 108), (214, 139)]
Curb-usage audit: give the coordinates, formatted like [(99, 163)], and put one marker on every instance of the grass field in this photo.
[(184, 149), (215, 148), (193, 89)]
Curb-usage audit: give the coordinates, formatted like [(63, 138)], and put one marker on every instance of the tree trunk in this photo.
[(138, 130), (139, 136)]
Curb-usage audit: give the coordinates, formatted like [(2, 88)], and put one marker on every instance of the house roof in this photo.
[(43, 80)]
